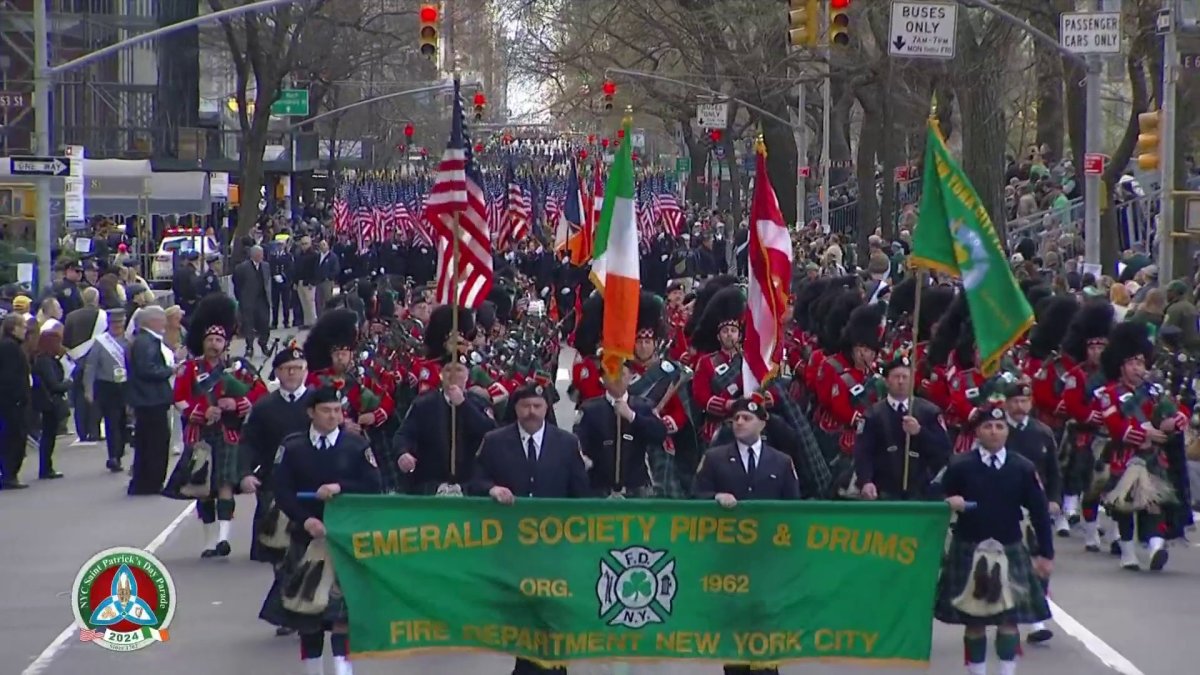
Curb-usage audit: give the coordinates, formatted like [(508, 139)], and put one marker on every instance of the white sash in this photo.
[(118, 355)]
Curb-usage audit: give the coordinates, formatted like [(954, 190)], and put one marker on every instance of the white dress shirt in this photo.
[(537, 437), (745, 450), (896, 403), (293, 396), (1001, 455), (330, 438)]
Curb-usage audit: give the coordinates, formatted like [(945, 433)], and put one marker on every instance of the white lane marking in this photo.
[(42, 662), (1101, 649)]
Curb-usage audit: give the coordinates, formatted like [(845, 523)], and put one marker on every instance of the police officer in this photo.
[(529, 458), (66, 290), (899, 424), (185, 283), (325, 461), (746, 469), (209, 280), (282, 264)]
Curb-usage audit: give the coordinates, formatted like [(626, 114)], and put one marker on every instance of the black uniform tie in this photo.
[(751, 465), (323, 444), (531, 450), (995, 462), (901, 409)]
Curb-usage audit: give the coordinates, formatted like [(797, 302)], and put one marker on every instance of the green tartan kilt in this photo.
[(273, 611), (224, 467), (385, 455), (1031, 606)]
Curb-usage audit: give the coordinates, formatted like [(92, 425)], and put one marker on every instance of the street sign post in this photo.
[(923, 30), (804, 171), (1090, 32), (712, 115), (291, 103), (39, 166), (13, 100), (74, 197)]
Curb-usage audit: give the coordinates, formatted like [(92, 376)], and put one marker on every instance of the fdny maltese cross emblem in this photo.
[(636, 587)]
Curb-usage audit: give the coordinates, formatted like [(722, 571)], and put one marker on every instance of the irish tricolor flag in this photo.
[(615, 261)]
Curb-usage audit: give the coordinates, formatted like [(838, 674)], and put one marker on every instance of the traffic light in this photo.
[(1149, 128), (480, 103), (610, 89), (839, 22), (429, 30), (804, 23), (408, 131)]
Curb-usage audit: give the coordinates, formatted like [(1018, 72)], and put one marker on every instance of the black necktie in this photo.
[(901, 409), (531, 450), (995, 462), (323, 444), (750, 463), (291, 398)]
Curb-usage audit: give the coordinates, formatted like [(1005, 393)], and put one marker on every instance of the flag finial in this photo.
[(760, 146)]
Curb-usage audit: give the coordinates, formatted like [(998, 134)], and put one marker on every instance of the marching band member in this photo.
[(718, 380), (586, 382), (1048, 365), (215, 393), (1141, 419), (854, 385), (829, 362)]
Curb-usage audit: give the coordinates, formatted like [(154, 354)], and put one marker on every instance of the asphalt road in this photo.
[(1118, 621)]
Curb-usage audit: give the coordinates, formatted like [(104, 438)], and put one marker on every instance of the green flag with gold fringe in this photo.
[(955, 235)]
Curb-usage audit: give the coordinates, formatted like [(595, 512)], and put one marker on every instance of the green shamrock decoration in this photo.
[(637, 585)]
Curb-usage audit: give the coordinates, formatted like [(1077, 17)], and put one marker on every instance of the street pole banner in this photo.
[(557, 581)]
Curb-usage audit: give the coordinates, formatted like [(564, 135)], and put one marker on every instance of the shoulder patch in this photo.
[(1069, 381)]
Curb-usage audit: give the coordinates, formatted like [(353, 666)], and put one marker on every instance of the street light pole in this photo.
[(1166, 151), (1092, 141), (41, 121), (827, 94)]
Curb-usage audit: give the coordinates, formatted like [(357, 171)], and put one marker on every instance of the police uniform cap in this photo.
[(287, 356), (531, 390), (898, 360), (323, 395), (749, 405), (191, 255)]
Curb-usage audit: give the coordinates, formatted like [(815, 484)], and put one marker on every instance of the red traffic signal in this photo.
[(479, 147), (715, 135), (620, 133), (582, 153), (839, 4), (634, 156), (480, 99), (604, 142), (429, 13), (408, 131), (609, 88)]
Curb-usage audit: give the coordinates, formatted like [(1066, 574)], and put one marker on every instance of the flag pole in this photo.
[(912, 380), (452, 347)]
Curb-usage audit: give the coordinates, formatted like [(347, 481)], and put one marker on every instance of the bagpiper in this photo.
[(718, 379), (664, 383), (215, 392), (677, 315), (854, 384), (332, 353), (1141, 420), (586, 382), (1047, 366), (836, 358), (1085, 438)]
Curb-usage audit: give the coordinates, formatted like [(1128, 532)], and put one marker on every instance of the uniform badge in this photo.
[(732, 389), (973, 392), (668, 367), (583, 373), (370, 457), (752, 406), (720, 370), (279, 455), (424, 374), (1069, 381)]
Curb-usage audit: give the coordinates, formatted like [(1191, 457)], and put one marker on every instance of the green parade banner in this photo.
[(561, 580)]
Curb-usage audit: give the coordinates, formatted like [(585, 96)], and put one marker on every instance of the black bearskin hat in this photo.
[(215, 314), (1054, 316), (485, 315), (806, 298), (366, 291), (864, 328), (590, 325), (441, 322), (335, 329), (834, 313), (728, 306), (703, 296), (1035, 291), (1092, 322), (1127, 340), (953, 335), (902, 299), (935, 301), (503, 302), (650, 313)]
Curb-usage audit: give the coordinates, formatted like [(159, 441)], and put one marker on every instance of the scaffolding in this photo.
[(133, 105)]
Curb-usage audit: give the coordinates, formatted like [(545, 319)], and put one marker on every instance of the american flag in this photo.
[(457, 207), (87, 634), (517, 210)]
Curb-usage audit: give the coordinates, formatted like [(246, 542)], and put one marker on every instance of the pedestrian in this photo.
[(15, 403), (151, 366), (988, 577), (50, 387), (747, 469), (105, 375), (327, 462), (530, 458), (251, 280)]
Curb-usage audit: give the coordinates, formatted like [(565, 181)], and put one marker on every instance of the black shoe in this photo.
[(114, 465), (223, 548), (1158, 560), (1114, 548), (208, 553), (284, 631), (50, 475), (1037, 637), (12, 485)]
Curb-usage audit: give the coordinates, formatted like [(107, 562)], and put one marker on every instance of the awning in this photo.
[(114, 187)]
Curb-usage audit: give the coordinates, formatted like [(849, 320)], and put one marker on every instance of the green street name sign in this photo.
[(683, 165), (291, 102)]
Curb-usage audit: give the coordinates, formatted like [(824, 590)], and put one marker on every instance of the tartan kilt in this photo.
[(665, 474), (224, 467), (386, 456), (1030, 607), (263, 500), (273, 611)]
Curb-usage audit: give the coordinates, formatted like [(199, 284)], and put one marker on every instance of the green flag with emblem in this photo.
[(955, 235)]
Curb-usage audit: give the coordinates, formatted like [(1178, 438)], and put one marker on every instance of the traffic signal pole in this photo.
[(43, 74), (1164, 236)]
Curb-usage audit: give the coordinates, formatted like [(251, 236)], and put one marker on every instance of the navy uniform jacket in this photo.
[(271, 420), (721, 470), (879, 449), (301, 467), (597, 432), (999, 495), (1036, 443), (425, 434), (502, 461)]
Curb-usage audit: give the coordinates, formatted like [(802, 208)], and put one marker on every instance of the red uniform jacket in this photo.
[(715, 403), (672, 413), (963, 387), (1125, 412), (352, 390), (848, 394), (676, 320), (196, 404), (1049, 381), (586, 378)]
